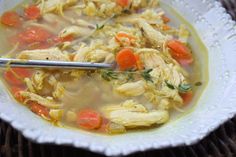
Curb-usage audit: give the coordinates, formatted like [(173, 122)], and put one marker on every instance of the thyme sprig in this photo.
[(129, 74)]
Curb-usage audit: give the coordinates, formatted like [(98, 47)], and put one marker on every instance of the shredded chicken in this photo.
[(131, 115), (55, 5), (53, 54), (39, 99), (132, 89), (154, 36)]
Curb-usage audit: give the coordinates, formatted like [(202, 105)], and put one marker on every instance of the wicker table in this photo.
[(221, 143)]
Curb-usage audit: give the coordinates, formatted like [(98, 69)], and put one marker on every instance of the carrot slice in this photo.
[(165, 19), (139, 63), (11, 18), (15, 76), (180, 52), (187, 97), (126, 59), (123, 37), (39, 109), (89, 119), (16, 93), (34, 34), (32, 12), (122, 3)]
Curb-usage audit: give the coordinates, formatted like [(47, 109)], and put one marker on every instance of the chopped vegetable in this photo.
[(11, 18), (198, 83), (146, 75), (126, 59), (180, 52), (170, 85), (109, 75), (64, 39), (125, 38), (183, 88), (165, 19), (123, 3), (139, 63), (15, 76), (187, 97), (34, 34), (98, 27), (16, 93), (89, 119), (32, 12), (39, 109)]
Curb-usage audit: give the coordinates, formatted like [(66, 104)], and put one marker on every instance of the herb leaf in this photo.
[(146, 75), (198, 83), (169, 85), (109, 75), (183, 88), (98, 27)]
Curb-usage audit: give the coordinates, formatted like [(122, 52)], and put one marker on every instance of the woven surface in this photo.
[(220, 143)]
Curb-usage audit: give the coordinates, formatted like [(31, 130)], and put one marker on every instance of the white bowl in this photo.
[(216, 105)]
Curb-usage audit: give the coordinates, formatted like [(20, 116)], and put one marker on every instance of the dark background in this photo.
[(220, 143)]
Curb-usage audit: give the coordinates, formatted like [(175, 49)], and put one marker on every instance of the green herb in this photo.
[(146, 75), (98, 27), (109, 75), (183, 88), (198, 83), (169, 85)]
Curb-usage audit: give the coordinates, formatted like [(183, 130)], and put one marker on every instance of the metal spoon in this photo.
[(9, 62)]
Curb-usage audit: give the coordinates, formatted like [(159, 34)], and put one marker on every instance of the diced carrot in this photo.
[(139, 63), (32, 12), (39, 109), (34, 34), (126, 59), (180, 52), (11, 18), (15, 90), (123, 37), (64, 39), (187, 97), (122, 3), (165, 19), (89, 119), (166, 27), (15, 76)]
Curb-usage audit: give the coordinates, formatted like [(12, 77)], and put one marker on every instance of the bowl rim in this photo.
[(110, 151)]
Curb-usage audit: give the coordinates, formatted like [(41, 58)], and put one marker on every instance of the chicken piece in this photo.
[(155, 37), (162, 69), (131, 89), (28, 96), (81, 53), (134, 115), (55, 5), (38, 79), (100, 56), (59, 91), (56, 114), (53, 54), (75, 31), (151, 58), (151, 17), (170, 93), (29, 85)]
